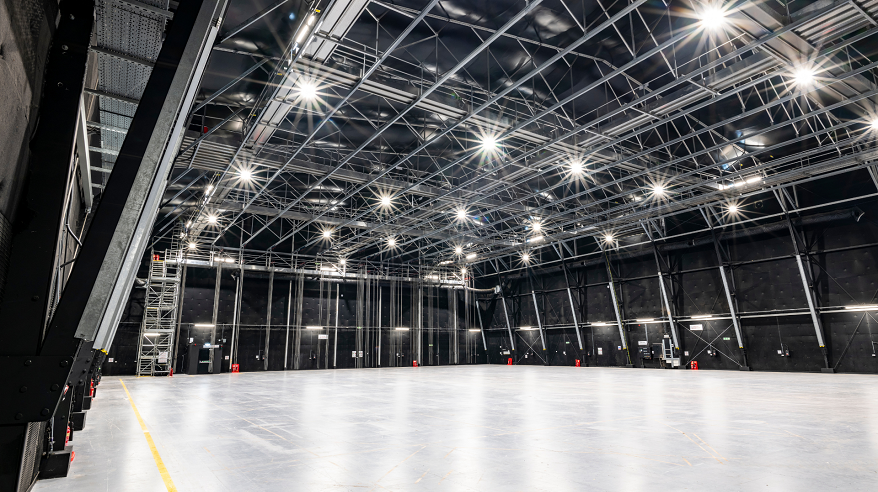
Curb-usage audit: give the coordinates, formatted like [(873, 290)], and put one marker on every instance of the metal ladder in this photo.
[(159, 319)]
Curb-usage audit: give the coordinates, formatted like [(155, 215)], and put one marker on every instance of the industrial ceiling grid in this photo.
[(134, 33), (490, 169)]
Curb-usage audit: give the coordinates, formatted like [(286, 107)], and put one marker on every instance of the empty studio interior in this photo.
[(438, 245)]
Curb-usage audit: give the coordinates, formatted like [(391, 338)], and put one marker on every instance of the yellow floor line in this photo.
[(155, 452)]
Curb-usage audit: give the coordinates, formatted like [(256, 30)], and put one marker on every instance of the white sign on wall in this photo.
[(642, 342), (323, 337), (600, 351), (696, 327)]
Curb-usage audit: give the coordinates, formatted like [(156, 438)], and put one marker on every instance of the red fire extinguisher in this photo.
[(67, 437)]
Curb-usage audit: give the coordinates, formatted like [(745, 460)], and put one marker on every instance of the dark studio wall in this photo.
[(348, 347), (770, 294)]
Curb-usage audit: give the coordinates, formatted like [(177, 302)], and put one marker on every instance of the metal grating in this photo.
[(133, 32)]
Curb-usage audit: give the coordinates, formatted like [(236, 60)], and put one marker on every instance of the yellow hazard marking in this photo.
[(166, 477)]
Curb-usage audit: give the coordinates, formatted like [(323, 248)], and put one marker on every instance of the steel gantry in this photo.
[(404, 156)]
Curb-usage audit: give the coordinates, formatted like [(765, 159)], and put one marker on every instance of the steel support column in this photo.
[(508, 324), (268, 320), (214, 316), (482, 327), (616, 309), (731, 298), (560, 250), (664, 290), (807, 282)]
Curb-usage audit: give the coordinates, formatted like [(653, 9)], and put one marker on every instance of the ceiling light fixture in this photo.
[(458, 250), (658, 190), (463, 271), (608, 238), (245, 174), (713, 18), (804, 76), (576, 167), (192, 245), (525, 257), (536, 226), (307, 90), (471, 256), (461, 214), (875, 124), (391, 242), (211, 219), (327, 233), (489, 143), (385, 201)]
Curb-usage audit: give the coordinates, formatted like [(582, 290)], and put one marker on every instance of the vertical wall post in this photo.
[(807, 283), (616, 309), (213, 319), (731, 299), (560, 250), (179, 320), (268, 319), (663, 288), (481, 327), (287, 337), (508, 324), (335, 343)]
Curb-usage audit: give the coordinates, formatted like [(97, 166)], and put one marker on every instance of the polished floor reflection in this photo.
[(482, 428)]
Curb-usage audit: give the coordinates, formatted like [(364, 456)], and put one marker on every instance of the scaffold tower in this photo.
[(159, 318)]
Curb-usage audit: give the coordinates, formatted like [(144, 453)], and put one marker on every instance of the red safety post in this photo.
[(509, 361), (578, 363), (414, 363), (694, 365)]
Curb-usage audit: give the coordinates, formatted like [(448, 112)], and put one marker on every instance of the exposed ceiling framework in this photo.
[(486, 133)]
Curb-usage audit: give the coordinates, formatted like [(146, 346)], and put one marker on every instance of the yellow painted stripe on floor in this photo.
[(155, 452)]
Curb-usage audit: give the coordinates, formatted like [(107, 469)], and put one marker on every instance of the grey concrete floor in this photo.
[(485, 428)]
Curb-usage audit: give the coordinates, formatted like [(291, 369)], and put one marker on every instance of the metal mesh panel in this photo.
[(30, 459)]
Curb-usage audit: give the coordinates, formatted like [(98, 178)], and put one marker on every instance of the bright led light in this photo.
[(209, 188), (385, 201), (307, 90), (313, 327), (754, 179), (327, 233), (150, 334), (463, 271), (461, 214), (192, 245), (341, 261), (189, 224), (804, 76), (474, 330), (458, 250), (645, 320), (211, 219), (536, 226), (471, 256), (733, 209), (658, 190), (863, 307), (401, 328), (608, 238), (525, 257), (600, 323), (575, 167), (203, 325), (712, 18), (703, 316), (245, 174), (391, 242), (489, 143), (875, 125)]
